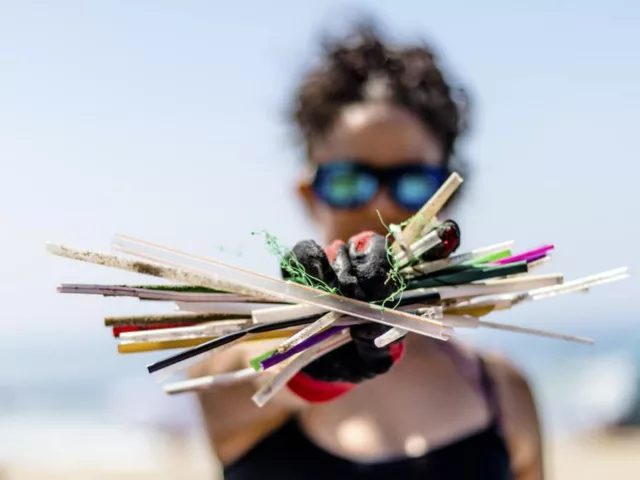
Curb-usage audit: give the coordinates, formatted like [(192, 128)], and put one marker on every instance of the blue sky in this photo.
[(118, 116)]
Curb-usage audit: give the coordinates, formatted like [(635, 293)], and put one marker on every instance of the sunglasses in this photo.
[(351, 185)]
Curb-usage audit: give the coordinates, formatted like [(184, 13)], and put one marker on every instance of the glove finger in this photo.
[(313, 259), (370, 260), (369, 254), (347, 364), (367, 332), (344, 270), (449, 234)]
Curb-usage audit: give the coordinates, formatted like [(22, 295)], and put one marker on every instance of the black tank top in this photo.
[(288, 454)]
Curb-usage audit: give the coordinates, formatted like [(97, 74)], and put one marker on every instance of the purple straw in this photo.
[(528, 256), (536, 258), (309, 342)]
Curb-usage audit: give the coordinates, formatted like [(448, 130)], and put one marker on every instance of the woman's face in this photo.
[(379, 136)]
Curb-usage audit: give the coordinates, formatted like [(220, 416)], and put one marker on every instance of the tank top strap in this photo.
[(489, 389), (475, 370)]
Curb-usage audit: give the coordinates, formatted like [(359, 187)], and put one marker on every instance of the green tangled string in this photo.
[(298, 273), (394, 274), (290, 264)]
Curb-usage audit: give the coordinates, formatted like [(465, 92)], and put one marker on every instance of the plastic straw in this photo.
[(534, 254), (208, 382), (289, 292), (472, 256), (428, 211), (276, 357)]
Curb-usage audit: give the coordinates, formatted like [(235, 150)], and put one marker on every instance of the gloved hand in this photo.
[(360, 270)]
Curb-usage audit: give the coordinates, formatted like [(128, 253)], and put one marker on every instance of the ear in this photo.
[(307, 197)]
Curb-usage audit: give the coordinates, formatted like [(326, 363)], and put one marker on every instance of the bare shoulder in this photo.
[(520, 417), (514, 389)]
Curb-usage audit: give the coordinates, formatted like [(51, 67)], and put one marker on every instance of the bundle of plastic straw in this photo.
[(221, 306)]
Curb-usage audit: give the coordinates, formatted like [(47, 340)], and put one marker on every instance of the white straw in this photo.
[(394, 334), (423, 245), (322, 323), (428, 211), (151, 294), (208, 382), (297, 363), (288, 312), (389, 337), (207, 330), (289, 292), (485, 288), (239, 308), (430, 267), (467, 321), (146, 268)]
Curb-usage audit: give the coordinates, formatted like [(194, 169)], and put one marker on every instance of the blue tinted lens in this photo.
[(345, 185), (412, 189)]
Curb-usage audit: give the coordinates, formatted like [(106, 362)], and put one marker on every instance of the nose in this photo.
[(383, 204)]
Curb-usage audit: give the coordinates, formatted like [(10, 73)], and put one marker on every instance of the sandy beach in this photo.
[(595, 456), (591, 456)]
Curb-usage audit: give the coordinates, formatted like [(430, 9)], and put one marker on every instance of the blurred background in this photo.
[(165, 120)]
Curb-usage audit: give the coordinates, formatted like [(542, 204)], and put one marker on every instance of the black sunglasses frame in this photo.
[(388, 176)]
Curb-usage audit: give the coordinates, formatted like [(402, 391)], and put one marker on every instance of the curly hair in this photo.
[(411, 77)]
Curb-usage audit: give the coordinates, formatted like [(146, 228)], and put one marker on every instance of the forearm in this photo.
[(232, 421), (358, 269)]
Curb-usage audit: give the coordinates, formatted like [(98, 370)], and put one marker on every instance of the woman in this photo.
[(380, 127)]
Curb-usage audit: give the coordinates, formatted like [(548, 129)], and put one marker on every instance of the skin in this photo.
[(382, 136), (360, 426)]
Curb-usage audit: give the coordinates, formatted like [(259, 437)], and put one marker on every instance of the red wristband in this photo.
[(316, 391), (396, 350)]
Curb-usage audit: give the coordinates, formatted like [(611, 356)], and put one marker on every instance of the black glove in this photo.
[(360, 270)]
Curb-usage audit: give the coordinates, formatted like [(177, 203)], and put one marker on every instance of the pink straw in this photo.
[(526, 256)]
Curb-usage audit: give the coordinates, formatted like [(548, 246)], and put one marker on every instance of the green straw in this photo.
[(451, 270), (256, 361), (472, 275), (492, 257)]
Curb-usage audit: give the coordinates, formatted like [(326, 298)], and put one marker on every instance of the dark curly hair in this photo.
[(413, 80)]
